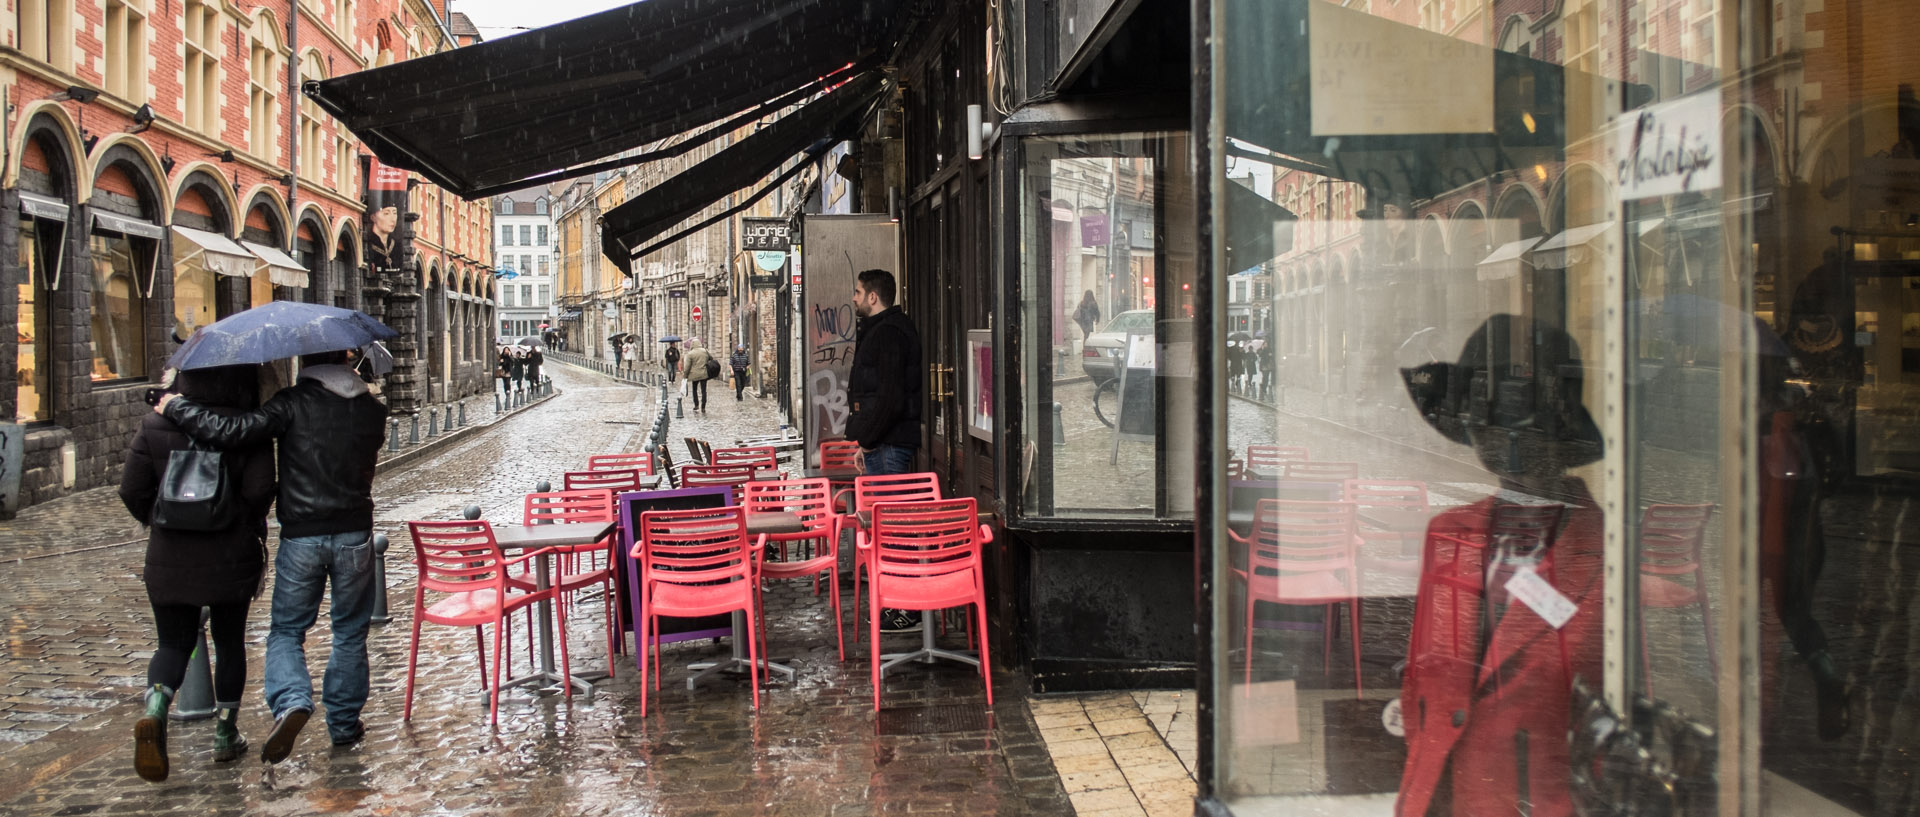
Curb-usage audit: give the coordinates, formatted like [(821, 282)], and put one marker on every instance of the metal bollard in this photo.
[(470, 512), (433, 423), (543, 486), (497, 408), (393, 434), (1059, 428), (194, 700), (380, 612), (463, 414), (447, 424), (413, 429), (679, 408)]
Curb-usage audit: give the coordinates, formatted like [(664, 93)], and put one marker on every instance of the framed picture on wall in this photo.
[(979, 383)]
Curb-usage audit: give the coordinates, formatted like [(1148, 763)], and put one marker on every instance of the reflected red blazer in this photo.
[(1494, 732)]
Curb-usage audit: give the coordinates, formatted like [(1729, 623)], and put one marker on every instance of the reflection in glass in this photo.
[(119, 306), (33, 379)]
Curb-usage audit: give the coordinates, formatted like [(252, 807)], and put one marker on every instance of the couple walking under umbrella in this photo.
[(328, 426)]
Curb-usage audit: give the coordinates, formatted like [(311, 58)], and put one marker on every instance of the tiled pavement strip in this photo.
[(77, 636)]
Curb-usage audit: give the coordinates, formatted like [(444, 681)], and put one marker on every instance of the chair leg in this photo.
[(1247, 652), (613, 625), (1359, 689), (1330, 619), (753, 653), (480, 641), (1646, 657), (566, 666), (646, 626), (500, 625), (986, 662), (1706, 623), (413, 657), (833, 587), (873, 641)]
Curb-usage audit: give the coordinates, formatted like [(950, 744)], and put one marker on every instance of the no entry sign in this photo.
[(696, 313)]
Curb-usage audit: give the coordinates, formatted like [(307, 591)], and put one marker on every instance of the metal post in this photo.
[(1059, 427), (463, 414), (679, 408), (470, 512), (380, 613), (413, 430), (433, 423), (393, 434), (194, 699), (447, 424), (497, 408)]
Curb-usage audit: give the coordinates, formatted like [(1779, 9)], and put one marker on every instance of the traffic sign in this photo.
[(696, 313)]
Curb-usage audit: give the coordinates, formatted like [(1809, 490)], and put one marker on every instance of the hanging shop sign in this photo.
[(676, 293), (570, 315), (717, 292), (769, 239)]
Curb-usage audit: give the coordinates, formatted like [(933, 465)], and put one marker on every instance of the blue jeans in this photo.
[(304, 567), (890, 459)]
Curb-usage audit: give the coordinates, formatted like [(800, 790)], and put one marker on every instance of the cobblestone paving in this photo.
[(77, 637)]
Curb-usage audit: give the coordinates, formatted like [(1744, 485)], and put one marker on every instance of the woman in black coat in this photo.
[(186, 571)]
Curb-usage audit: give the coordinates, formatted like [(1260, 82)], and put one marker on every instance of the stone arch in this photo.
[(267, 200), (1520, 204), (213, 190), (311, 214), (134, 155), (346, 264), (50, 126)]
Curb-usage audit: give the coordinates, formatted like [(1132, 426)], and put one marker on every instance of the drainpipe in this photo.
[(293, 131)]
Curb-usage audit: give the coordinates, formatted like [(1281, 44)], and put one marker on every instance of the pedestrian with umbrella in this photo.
[(620, 347), (187, 570), (329, 429), (672, 356), (503, 369)]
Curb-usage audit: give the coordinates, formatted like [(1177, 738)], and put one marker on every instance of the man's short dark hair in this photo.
[(879, 282)]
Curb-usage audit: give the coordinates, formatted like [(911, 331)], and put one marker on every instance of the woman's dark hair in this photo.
[(230, 386)]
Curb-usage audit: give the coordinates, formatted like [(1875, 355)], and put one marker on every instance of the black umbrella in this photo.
[(1239, 336), (616, 337), (530, 341)]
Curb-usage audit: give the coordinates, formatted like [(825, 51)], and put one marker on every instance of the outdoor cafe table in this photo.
[(537, 537)]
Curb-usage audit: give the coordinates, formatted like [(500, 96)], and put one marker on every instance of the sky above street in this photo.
[(502, 18)]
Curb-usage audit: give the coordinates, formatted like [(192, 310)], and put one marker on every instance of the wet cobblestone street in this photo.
[(77, 636)]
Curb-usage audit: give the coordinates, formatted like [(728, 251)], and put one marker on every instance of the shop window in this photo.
[(121, 267), (126, 51), (39, 261), (263, 90), (46, 31), (201, 106), (1107, 319)]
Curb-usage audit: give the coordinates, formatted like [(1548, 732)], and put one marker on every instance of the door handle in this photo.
[(942, 381)]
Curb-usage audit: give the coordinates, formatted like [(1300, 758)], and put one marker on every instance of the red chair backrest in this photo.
[(1327, 471), (568, 506), (759, 457), (699, 546), (1269, 459), (926, 538), (839, 454), (457, 556), (695, 475), (1671, 537), (809, 499), (1385, 493), (1292, 536), (615, 480), (871, 490), (640, 461)]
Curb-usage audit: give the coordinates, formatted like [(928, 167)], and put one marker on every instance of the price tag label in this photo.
[(1545, 601)]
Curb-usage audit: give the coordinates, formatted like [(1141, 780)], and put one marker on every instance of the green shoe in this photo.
[(150, 736), (227, 743)]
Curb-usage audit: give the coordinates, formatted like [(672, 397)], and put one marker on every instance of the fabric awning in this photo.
[(813, 130), (212, 251), (281, 269), (1504, 261), (1568, 247), (510, 112), (1257, 229), (40, 206), (112, 222)]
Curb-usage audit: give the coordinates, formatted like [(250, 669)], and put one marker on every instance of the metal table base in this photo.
[(738, 661), (927, 651)]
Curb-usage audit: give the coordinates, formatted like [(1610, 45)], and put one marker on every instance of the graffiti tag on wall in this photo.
[(835, 248)]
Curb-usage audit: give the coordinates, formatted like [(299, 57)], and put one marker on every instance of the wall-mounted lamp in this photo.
[(225, 156), (893, 205), (166, 162), (978, 132), (142, 119), (88, 140), (77, 94)]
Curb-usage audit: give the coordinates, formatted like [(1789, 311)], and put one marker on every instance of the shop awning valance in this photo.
[(40, 206), (280, 267), (115, 223), (812, 130), (1568, 247), (1504, 261), (211, 251), (511, 112)]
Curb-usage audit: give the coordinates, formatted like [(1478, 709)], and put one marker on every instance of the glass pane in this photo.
[(119, 306), (193, 299), (1107, 285), (33, 398), (260, 288)]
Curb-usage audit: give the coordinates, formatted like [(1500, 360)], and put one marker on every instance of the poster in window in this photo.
[(388, 246), (979, 383)]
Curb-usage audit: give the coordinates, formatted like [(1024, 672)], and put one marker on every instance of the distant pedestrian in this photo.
[(329, 429), (698, 373), (1087, 315), (883, 391), (188, 570), (503, 370), (620, 348), (738, 362), (632, 359), (534, 361), (673, 361), (518, 369)]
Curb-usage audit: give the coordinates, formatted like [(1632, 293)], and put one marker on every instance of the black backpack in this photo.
[(195, 492)]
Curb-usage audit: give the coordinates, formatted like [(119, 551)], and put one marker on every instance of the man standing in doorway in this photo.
[(883, 391), (330, 429)]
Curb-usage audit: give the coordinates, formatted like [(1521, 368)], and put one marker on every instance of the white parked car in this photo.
[(1101, 357)]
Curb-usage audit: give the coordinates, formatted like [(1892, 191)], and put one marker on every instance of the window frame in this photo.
[(124, 47), (200, 57), (45, 386), (141, 295)]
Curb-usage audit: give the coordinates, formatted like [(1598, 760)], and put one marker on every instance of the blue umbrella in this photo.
[(275, 330), (669, 338)]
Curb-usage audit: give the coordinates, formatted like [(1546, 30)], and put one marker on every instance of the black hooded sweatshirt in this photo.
[(883, 387)]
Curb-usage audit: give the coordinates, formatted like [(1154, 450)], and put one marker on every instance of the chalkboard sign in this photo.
[(1135, 394), (632, 505)]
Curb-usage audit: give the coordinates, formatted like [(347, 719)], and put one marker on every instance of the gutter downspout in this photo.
[(293, 131)]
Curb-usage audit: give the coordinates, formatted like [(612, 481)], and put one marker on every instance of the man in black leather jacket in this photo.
[(329, 427), (883, 392)]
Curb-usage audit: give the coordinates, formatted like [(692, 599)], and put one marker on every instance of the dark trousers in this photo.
[(699, 393), (178, 629), (739, 383)]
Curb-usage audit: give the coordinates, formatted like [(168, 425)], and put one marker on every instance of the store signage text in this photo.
[(1667, 149)]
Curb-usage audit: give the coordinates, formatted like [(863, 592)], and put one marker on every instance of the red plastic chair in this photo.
[(575, 572), (869, 491), (840, 454), (1269, 460), (926, 556), (808, 499), (639, 461), (1397, 496), (697, 563), (1457, 562), (1670, 540), (1303, 553), (695, 475), (462, 561), (760, 458), (616, 481), (1320, 471)]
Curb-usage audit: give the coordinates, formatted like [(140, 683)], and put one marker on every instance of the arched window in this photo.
[(46, 185), (263, 90), (122, 251)]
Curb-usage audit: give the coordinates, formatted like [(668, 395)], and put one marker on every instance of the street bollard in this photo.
[(1059, 428), (679, 408), (433, 423), (543, 486), (413, 429), (194, 700), (380, 613), (471, 512), (393, 434), (1513, 452), (497, 408), (463, 414), (447, 424)]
